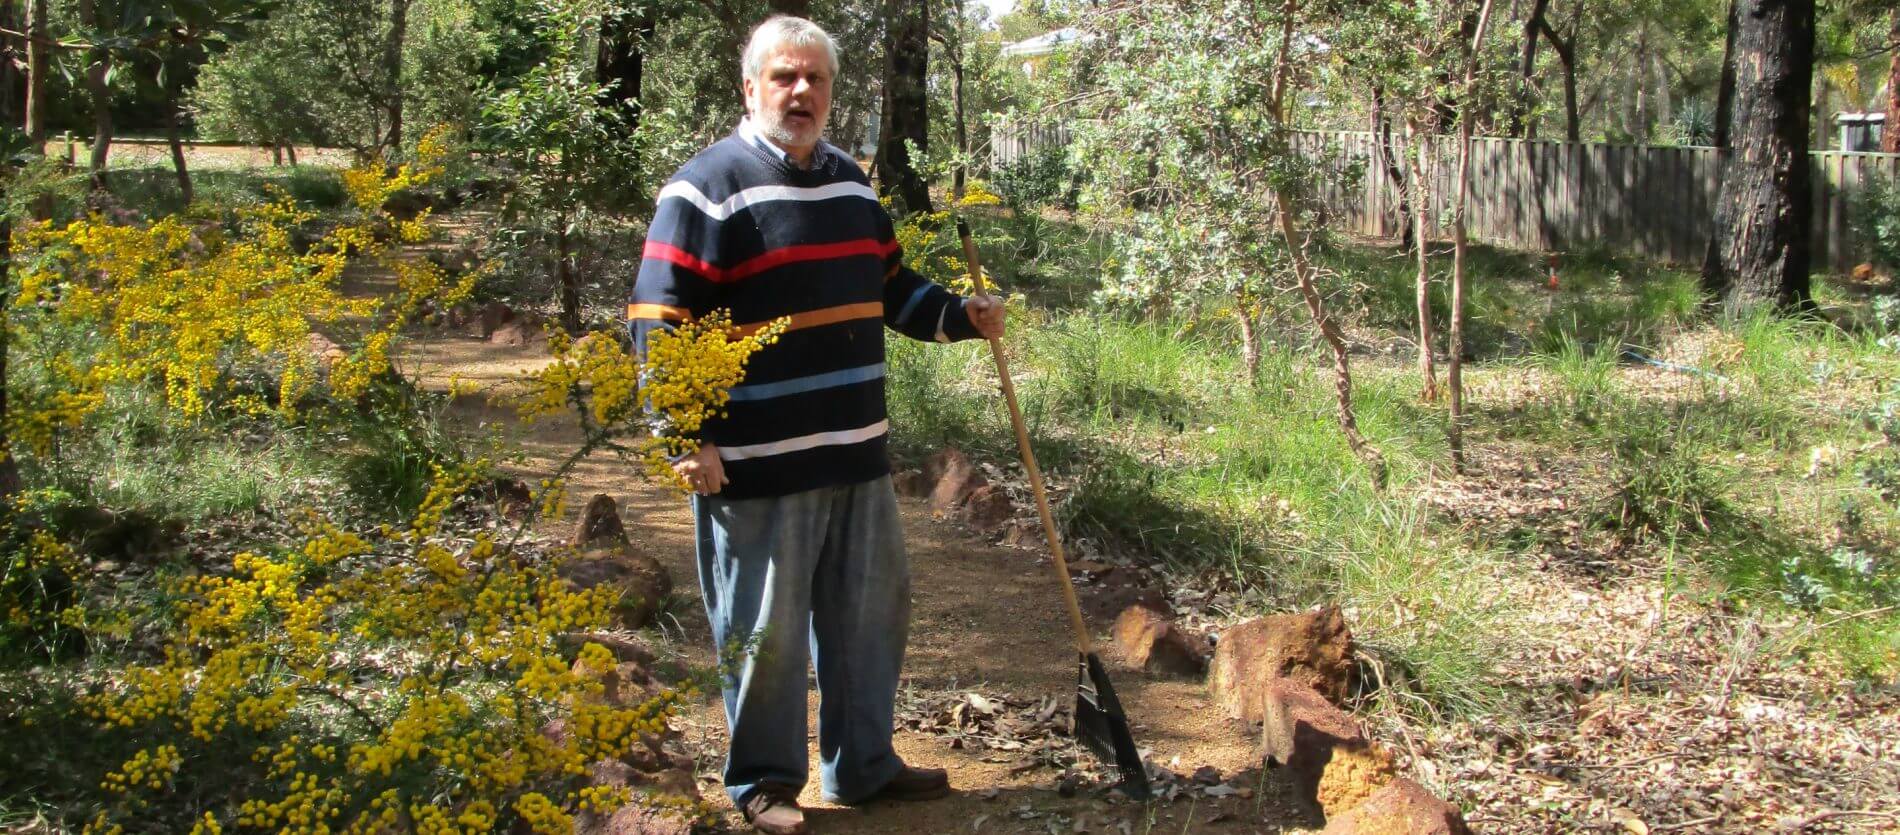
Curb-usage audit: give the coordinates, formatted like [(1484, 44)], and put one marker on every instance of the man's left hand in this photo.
[(986, 314)]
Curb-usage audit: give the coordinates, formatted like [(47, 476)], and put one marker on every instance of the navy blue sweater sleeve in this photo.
[(668, 290), (917, 307)]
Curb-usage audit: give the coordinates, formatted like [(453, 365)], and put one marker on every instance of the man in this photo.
[(797, 527)]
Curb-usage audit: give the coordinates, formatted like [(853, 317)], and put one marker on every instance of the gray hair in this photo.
[(781, 30)]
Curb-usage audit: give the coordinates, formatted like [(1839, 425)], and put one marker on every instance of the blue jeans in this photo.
[(822, 570)]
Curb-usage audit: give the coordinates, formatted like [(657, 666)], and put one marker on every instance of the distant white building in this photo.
[(1031, 51), (1861, 131)]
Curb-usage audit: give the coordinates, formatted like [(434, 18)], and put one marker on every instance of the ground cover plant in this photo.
[(217, 635)]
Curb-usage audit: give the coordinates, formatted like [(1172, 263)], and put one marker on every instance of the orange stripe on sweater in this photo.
[(821, 316), (657, 311)]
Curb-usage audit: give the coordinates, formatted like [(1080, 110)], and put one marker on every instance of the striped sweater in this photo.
[(740, 228)]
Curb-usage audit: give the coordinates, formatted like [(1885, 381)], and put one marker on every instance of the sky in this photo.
[(999, 8)]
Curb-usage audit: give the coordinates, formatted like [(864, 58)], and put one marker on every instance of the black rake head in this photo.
[(1102, 727)]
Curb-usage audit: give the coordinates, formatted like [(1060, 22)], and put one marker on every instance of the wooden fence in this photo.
[(1654, 201)]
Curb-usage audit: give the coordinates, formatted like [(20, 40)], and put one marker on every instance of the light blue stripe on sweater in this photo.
[(903, 315), (800, 385)]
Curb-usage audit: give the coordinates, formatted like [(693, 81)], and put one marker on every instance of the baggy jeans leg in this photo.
[(756, 558), (860, 623)]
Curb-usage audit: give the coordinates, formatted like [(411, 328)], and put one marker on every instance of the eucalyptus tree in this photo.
[(1763, 217), (906, 114), (566, 143), (1191, 131)]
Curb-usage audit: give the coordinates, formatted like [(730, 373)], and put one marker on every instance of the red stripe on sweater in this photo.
[(771, 259)]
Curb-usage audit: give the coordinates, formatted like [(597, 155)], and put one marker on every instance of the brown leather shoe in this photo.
[(915, 784), (773, 810)]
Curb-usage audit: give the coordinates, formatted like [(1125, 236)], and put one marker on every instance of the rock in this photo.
[(1151, 643), (455, 260), (512, 497), (519, 333), (1864, 273), (1330, 760), (600, 522), (461, 316), (643, 583), (1403, 807), (1023, 533), (493, 316), (607, 556), (988, 507), (637, 817), (326, 352), (405, 205), (1312, 648), (952, 479), (1108, 599), (626, 647), (910, 484), (585, 345)]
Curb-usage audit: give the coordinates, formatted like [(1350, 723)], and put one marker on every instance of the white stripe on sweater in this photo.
[(763, 194), (817, 439)]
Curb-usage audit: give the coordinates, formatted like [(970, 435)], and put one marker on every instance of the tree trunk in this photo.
[(392, 68), (1665, 102), (1461, 192), (38, 54), (101, 94), (178, 147), (1335, 342), (795, 8), (9, 468), (1382, 135), (1567, 57), (12, 79), (290, 150), (906, 109), (963, 137), (1416, 141), (1249, 336), (1527, 71), (1303, 271), (619, 61), (1762, 217), (1890, 133), (1712, 277), (570, 283), (1639, 90)]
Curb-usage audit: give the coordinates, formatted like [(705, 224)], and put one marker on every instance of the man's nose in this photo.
[(801, 87)]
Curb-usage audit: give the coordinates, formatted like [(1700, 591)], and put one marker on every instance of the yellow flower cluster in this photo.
[(24, 590), (542, 815), (150, 768), (405, 678), (179, 301), (931, 253), (977, 193), (662, 400)]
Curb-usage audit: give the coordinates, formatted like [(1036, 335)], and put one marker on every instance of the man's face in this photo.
[(791, 97)]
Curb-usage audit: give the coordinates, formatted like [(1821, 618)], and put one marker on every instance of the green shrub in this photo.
[(1041, 177), (1876, 223), (1661, 484)]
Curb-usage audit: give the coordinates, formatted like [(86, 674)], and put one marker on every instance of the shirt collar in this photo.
[(820, 159)]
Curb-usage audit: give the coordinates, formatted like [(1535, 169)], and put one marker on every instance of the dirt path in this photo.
[(987, 619)]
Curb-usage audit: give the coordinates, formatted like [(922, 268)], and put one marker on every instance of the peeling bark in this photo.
[(1422, 199)]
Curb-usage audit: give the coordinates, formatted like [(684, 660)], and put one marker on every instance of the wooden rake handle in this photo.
[(1082, 642)]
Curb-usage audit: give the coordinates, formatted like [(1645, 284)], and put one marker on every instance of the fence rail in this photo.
[(1653, 201)]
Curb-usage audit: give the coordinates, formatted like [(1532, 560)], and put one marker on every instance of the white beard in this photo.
[(776, 131)]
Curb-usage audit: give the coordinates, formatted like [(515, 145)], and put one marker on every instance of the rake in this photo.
[(1100, 724)]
